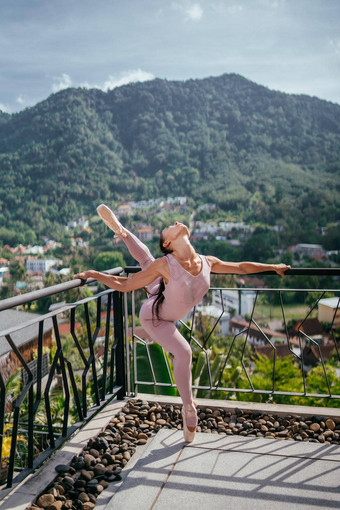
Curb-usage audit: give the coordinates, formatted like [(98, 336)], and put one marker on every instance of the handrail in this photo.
[(294, 271), (22, 299)]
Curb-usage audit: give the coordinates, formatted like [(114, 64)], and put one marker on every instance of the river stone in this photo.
[(142, 435), (88, 505), (142, 441), (330, 424), (46, 500), (60, 489), (99, 469), (318, 418), (328, 433), (92, 483), (80, 483), (87, 475), (53, 491), (108, 457), (83, 497), (315, 427), (62, 468), (93, 498), (89, 459), (127, 455), (95, 453), (56, 505)]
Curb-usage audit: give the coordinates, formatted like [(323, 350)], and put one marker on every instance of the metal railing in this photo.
[(110, 365), (214, 370), (100, 366)]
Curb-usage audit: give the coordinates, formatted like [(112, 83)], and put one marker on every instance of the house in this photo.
[(313, 354), (240, 302), (145, 233), (254, 335), (124, 209), (4, 273), (34, 250), (214, 313), (20, 249), (25, 339), (80, 223), (281, 350), (308, 250), (34, 265), (329, 310), (310, 328)]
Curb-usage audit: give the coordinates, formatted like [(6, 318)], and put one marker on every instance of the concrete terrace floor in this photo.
[(222, 472), (214, 472)]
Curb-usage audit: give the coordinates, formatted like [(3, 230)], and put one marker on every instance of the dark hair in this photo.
[(160, 296)]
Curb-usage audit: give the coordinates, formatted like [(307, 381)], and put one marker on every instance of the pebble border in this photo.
[(78, 485)]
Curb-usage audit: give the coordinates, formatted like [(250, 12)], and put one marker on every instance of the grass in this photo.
[(272, 313)]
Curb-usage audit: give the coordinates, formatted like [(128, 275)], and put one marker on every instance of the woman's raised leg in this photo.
[(138, 250)]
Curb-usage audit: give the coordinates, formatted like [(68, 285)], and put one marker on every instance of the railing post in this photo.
[(119, 342)]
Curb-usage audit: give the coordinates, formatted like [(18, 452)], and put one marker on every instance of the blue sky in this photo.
[(47, 45)]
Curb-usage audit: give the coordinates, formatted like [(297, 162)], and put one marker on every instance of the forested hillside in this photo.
[(260, 154)]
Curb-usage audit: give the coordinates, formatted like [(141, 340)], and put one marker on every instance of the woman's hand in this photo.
[(281, 269), (84, 275)]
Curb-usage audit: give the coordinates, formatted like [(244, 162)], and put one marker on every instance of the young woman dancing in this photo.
[(175, 284)]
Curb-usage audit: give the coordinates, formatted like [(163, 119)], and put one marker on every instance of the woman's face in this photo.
[(174, 231)]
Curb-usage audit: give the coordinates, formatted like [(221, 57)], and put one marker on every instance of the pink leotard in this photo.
[(182, 292)]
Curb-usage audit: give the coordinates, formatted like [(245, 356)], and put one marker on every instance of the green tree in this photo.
[(108, 260)]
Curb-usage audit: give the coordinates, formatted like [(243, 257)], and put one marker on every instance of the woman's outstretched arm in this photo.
[(158, 268), (219, 266)]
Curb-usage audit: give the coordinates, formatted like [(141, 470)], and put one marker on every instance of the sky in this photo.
[(48, 45)]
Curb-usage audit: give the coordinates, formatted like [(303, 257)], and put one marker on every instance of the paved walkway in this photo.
[(227, 472)]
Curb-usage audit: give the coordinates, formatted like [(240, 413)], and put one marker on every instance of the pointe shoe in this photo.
[(110, 219), (188, 430)]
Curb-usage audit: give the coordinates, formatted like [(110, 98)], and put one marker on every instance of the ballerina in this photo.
[(175, 283)]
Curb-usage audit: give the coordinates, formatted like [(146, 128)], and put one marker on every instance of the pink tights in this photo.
[(164, 332)]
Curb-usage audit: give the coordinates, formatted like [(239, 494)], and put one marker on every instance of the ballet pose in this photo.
[(175, 284)]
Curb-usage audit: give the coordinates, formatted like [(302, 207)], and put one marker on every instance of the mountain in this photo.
[(262, 155)]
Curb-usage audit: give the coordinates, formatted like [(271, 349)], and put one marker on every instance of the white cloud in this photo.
[(129, 77), (195, 12), (21, 100), (61, 82), (192, 12), (133, 76), (4, 108)]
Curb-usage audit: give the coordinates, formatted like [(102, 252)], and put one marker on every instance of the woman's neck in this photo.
[(183, 250)]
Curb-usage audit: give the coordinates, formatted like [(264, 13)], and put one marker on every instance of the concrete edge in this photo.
[(231, 405)]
